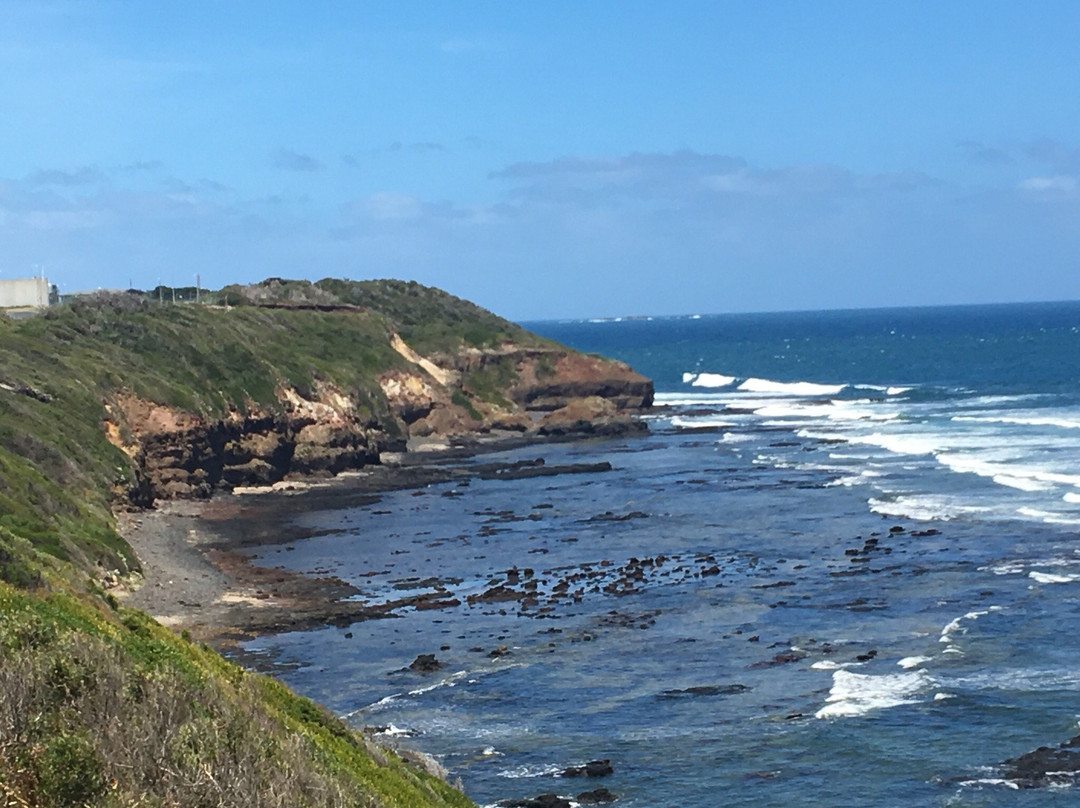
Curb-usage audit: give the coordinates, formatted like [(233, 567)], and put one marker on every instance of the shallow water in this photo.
[(831, 660)]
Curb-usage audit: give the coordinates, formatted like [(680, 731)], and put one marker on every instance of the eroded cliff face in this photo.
[(177, 455), (532, 392)]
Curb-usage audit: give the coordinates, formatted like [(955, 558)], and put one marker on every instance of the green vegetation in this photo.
[(488, 382), (99, 705), (115, 710), (429, 319)]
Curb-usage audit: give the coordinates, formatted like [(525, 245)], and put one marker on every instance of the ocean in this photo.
[(843, 569)]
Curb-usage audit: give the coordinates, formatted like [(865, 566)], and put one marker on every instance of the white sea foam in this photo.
[(753, 385), (855, 694), (1033, 420), (1071, 497), (860, 410), (909, 662), (393, 731), (787, 411), (889, 391), (956, 626), (864, 477), (994, 465), (449, 681), (900, 443), (1049, 517), (736, 437), (1051, 578), (925, 508), (1027, 680), (991, 781), (679, 421), (1021, 483), (522, 772), (692, 399), (710, 380)]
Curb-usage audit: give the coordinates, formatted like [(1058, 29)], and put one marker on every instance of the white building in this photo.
[(23, 294)]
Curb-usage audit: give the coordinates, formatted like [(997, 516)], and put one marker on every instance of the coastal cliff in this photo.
[(493, 380), (121, 401)]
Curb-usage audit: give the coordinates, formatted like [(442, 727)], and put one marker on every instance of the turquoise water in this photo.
[(861, 581)]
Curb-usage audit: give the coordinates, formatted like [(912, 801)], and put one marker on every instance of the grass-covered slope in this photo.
[(57, 469), (99, 705), (107, 708)]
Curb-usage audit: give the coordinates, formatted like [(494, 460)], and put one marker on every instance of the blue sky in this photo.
[(553, 159)]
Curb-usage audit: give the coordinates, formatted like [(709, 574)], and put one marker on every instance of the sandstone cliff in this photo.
[(510, 384)]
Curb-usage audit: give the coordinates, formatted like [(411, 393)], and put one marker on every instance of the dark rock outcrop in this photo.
[(1045, 766), (594, 768), (542, 801), (426, 663), (595, 797)]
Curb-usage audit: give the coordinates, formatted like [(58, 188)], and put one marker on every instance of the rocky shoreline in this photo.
[(198, 570)]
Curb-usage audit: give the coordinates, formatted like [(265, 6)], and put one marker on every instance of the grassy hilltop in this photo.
[(99, 705)]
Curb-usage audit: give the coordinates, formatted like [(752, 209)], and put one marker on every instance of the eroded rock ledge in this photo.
[(528, 392)]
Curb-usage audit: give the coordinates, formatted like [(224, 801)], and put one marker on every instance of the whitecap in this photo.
[(991, 781), (736, 437), (900, 443), (896, 391), (1048, 517), (521, 772), (1034, 420), (754, 385), (924, 508), (1051, 578), (909, 662), (681, 422), (957, 624), (449, 681), (855, 694), (710, 380)]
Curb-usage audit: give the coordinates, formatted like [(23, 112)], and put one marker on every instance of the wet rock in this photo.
[(496, 594), (595, 797), (426, 663), (1045, 766), (594, 768), (500, 651), (609, 516), (542, 801), (774, 585)]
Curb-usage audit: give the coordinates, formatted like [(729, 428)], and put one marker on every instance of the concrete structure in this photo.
[(24, 294)]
